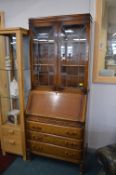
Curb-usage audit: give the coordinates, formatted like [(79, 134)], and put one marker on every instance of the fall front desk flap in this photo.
[(57, 105)]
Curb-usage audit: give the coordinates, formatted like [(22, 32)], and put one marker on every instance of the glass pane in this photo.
[(10, 110), (10, 60), (26, 53), (73, 53), (26, 67), (44, 75), (9, 91), (107, 65), (43, 56), (8, 69), (9, 85)]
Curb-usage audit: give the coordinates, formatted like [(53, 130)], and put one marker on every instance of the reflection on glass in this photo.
[(108, 39), (73, 52), (26, 67), (44, 56), (8, 69), (9, 91), (9, 106)]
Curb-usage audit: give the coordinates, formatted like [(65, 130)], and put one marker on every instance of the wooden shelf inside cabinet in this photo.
[(73, 65), (42, 64), (14, 68)]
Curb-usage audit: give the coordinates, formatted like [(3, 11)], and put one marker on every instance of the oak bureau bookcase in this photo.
[(56, 109)]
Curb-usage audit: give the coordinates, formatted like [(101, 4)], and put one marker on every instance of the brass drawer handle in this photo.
[(37, 138), (11, 131), (74, 145), (71, 144), (36, 128), (36, 148), (69, 154), (71, 133), (12, 142), (33, 137), (39, 148), (33, 147)]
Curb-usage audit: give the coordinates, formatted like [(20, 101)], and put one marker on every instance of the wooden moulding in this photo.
[(13, 31), (76, 19)]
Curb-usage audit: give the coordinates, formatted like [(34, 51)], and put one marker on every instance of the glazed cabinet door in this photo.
[(73, 54), (9, 78), (44, 53), (59, 52)]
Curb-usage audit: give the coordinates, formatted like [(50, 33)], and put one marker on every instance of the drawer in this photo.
[(11, 132), (70, 132), (53, 139), (55, 151), (12, 145)]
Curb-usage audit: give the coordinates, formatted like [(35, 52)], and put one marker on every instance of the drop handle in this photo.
[(33, 137), (69, 154), (37, 128), (39, 148), (33, 147), (11, 131), (71, 133), (37, 138), (71, 144), (12, 142), (36, 148)]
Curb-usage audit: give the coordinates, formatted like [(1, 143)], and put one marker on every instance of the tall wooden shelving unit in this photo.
[(12, 101)]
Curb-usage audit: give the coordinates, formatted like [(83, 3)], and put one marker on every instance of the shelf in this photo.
[(10, 98), (72, 75), (73, 65), (111, 65), (4, 69), (43, 64), (67, 65), (64, 41), (43, 42)]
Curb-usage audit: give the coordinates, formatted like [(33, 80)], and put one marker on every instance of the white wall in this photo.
[(102, 109), (102, 99), (18, 12)]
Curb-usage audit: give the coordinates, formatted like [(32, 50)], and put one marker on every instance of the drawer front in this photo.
[(55, 151), (70, 132), (12, 145), (53, 139), (11, 132)]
